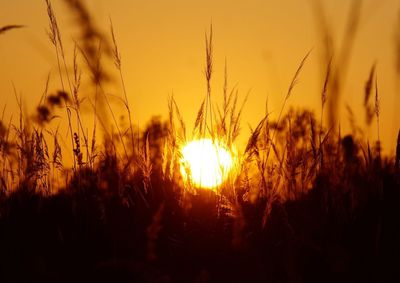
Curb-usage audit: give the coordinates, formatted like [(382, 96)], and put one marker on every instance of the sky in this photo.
[(163, 52)]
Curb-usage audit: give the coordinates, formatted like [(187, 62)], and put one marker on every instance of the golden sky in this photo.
[(162, 46)]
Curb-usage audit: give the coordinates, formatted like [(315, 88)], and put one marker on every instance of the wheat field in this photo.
[(87, 196)]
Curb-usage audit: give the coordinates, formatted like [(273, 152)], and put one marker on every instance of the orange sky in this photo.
[(162, 46)]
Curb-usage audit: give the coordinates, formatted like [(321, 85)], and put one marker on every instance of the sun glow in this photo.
[(205, 163)]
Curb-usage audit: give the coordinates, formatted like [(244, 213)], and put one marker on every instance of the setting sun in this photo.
[(206, 162)]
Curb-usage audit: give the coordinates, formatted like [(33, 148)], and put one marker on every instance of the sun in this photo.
[(205, 163)]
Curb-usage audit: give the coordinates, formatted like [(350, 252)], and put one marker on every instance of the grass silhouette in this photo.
[(303, 203)]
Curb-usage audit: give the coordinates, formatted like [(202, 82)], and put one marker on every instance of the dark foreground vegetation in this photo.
[(104, 227)]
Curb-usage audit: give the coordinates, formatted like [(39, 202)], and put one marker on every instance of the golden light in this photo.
[(206, 163)]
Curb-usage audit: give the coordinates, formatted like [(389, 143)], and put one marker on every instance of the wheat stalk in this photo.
[(118, 65)]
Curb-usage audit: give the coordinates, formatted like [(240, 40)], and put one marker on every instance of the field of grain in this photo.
[(102, 200)]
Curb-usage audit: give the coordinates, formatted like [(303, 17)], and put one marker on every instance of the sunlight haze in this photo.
[(163, 53)]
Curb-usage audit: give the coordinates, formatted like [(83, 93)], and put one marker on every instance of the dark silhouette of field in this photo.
[(344, 229)]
